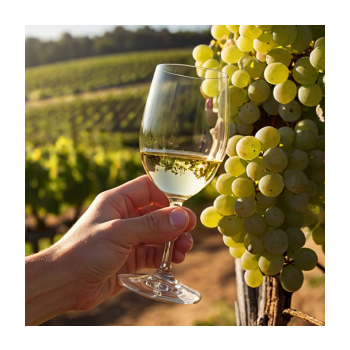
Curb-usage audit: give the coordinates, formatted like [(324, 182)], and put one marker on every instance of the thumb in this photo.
[(159, 226)]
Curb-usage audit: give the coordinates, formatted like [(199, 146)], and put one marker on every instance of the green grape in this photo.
[(249, 113), (287, 132), (285, 92), (274, 217), (278, 55), (202, 53), (235, 166), (250, 32), (210, 217), (265, 202), (303, 39), (296, 202), (292, 278), (276, 241), (290, 112), (254, 244), (210, 87), (312, 188), (210, 74), (305, 259), (271, 105), (245, 206), (229, 242), (314, 208), (254, 67), (306, 124), (310, 95), (248, 148), (264, 43), (218, 31), (305, 140), (224, 184), (309, 218), (296, 238), (275, 160), (250, 261), (231, 145), (199, 70), (237, 96), (318, 235), (294, 219), (225, 205), (295, 181), (261, 56), (259, 91), (229, 70), (276, 73), (271, 185), (269, 137), (242, 187), (253, 278), (320, 42), (316, 158), (264, 27), (211, 63), (317, 58), (231, 54), (230, 225), (284, 144), (233, 113), (240, 78), (233, 129), (316, 174), (304, 72), (255, 225), (237, 252), (271, 264), (256, 169), (284, 35), (298, 159), (245, 129), (245, 44), (233, 29)]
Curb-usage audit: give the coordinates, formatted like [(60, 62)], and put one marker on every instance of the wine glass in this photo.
[(183, 138)]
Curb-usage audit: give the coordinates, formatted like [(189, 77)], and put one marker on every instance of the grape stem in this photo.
[(322, 268), (303, 316)]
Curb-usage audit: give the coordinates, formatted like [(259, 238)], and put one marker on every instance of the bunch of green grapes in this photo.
[(273, 188)]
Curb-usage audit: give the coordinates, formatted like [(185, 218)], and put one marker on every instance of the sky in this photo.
[(53, 32)]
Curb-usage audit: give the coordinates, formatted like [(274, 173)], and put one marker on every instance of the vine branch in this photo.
[(303, 316), (321, 267)]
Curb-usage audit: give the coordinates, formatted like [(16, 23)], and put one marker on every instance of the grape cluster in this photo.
[(274, 181)]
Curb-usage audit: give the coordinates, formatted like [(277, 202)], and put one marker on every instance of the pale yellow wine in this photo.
[(179, 175)]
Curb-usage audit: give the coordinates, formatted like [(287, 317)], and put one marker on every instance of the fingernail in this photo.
[(189, 236), (178, 218)]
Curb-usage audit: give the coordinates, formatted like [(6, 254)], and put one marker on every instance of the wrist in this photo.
[(49, 286)]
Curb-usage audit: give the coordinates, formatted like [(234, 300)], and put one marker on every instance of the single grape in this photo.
[(271, 185), (242, 187), (235, 166), (317, 158), (312, 188), (245, 206), (233, 29), (249, 113), (318, 235), (309, 218), (316, 174), (303, 38), (202, 53), (265, 202), (240, 78), (317, 58), (287, 132), (261, 56), (320, 42), (210, 217), (305, 259), (285, 92), (249, 261), (229, 242), (231, 54), (256, 169), (276, 73), (271, 264), (225, 205), (218, 31), (284, 35), (210, 87), (298, 159), (278, 55), (254, 244), (275, 160), (276, 241), (231, 145), (237, 96), (304, 72), (224, 184), (269, 137), (295, 181), (296, 238), (310, 95), (230, 225), (245, 44), (294, 219), (305, 140), (264, 43), (213, 64), (271, 105), (296, 202), (254, 67), (259, 91), (237, 252), (233, 129), (229, 70), (244, 129), (255, 225), (253, 278), (274, 217), (248, 148), (290, 112), (250, 32), (292, 278), (306, 124)]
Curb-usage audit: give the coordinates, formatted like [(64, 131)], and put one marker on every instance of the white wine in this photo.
[(180, 175)]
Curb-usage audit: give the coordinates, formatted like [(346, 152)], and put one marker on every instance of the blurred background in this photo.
[(85, 91)]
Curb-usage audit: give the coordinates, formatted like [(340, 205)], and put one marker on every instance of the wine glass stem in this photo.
[(165, 269)]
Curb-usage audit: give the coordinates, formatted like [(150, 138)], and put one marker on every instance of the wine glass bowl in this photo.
[(183, 138)]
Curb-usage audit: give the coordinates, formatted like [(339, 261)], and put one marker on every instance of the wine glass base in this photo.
[(155, 288)]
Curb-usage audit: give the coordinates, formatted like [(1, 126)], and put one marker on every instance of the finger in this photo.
[(184, 243), (150, 208), (178, 257)]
